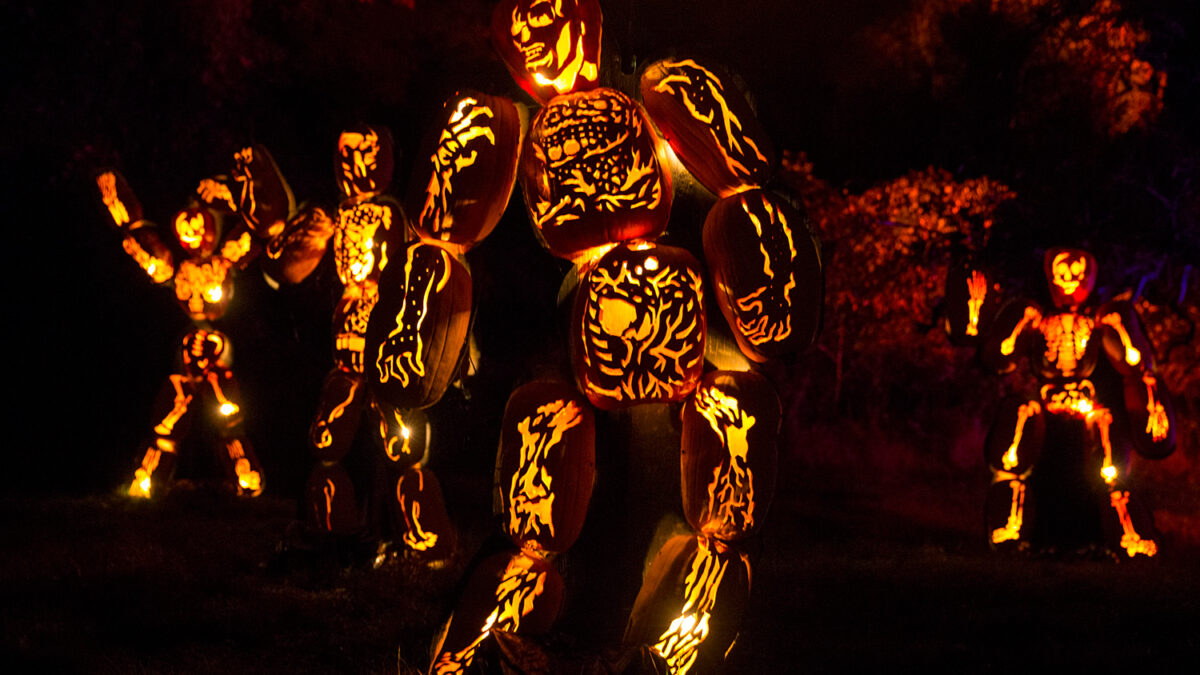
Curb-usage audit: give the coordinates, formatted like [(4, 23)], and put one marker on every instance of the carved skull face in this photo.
[(364, 161), (551, 46), (1071, 274), (196, 229)]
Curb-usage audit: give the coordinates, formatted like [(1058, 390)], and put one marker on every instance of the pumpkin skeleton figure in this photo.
[(597, 184), (1073, 421), (205, 384)]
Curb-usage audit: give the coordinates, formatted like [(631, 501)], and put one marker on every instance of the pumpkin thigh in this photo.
[(329, 501), (173, 412)]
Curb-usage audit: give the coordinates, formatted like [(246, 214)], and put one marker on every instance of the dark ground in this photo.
[(850, 577)]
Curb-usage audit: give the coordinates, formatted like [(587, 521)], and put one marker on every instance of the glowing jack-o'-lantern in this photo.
[(705, 116), (204, 287), (298, 249), (728, 460), (361, 239), (418, 326), (338, 414), (118, 198), (196, 230), (546, 465), (592, 175), (364, 161), (1071, 274), (420, 505), (691, 603), (459, 194), (263, 197), (767, 273), (148, 250), (512, 592), (551, 47), (639, 326)]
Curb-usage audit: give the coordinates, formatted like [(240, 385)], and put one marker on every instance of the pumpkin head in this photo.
[(546, 465), (512, 592), (364, 160), (196, 229), (766, 271), (551, 47), (691, 603), (591, 174), (263, 197), (1071, 275), (122, 205), (458, 195), (639, 326), (418, 326), (705, 115), (728, 460)]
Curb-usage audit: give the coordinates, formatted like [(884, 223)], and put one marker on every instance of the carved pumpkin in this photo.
[(196, 229), (766, 270), (691, 603), (403, 434), (418, 326), (705, 115), (729, 457), (339, 412), (546, 465), (459, 192), (639, 326), (512, 592), (591, 174), (1018, 433), (1071, 275), (204, 287), (971, 304), (118, 198), (364, 160), (1151, 416), (550, 47), (367, 230), (296, 252), (148, 250), (419, 502), (264, 199), (329, 497)]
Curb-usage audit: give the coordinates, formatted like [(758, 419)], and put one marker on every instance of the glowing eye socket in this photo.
[(541, 19), (214, 294)]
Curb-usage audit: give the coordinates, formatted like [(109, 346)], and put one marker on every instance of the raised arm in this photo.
[(140, 237)]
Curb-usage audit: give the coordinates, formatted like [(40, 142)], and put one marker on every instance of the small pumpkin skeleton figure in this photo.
[(1070, 415), (259, 201), (597, 181)]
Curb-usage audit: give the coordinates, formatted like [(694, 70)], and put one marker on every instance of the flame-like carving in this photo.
[(530, 492), (469, 125), (731, 491), (977, 291), (518, 590), (680, 643), (765, 315), (642, 328), (322, 437), (703, 94), (401, 355)]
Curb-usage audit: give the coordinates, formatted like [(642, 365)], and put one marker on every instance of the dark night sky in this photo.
[(168, 91)]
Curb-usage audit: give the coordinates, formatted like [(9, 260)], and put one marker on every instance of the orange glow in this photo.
[(190, 229), (1026, 411), (530, 492), (1067, 337), (330, 489), (703, 94), (731, 490), (416, 538), (215, 191), (156, 268), (197, 283), (1032, 317), (681, 642), (359, 159), (182, 399), (466, 127), (516, 593), (541, 31), (390, 441), (236, 249), (142, 477), (1157, 424), (1072, 398), (1012, 529), (765, 314), (404, 346), (977, 287), (1103, 418), (107, 182), (354, 252), (1131, 541), (249, 480), (1132, 355), (1068, 273), (324, 437), (224, 405)]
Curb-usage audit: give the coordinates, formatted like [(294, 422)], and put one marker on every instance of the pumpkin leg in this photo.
[(1129, 525), (240, 461), (429, 532), (172, 409), (1008, 513), (330, 503)]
